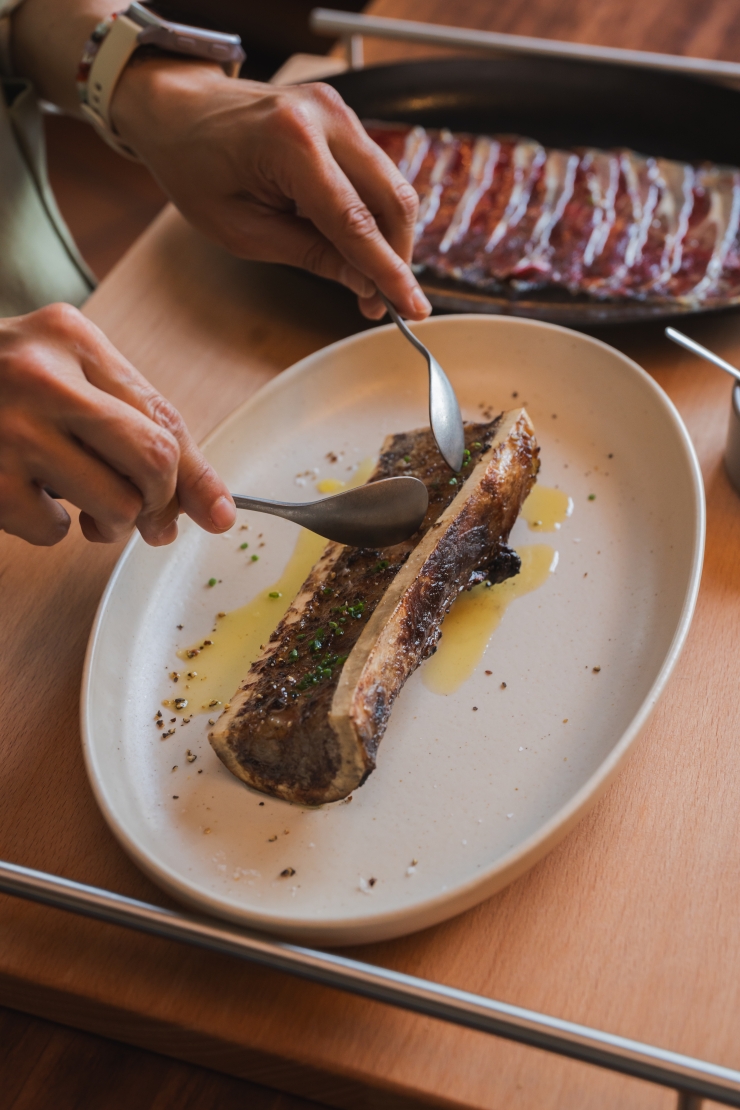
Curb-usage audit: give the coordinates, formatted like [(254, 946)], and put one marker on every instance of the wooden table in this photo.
[(629, 925)]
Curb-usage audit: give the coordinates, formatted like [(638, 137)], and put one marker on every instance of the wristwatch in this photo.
[(114, 42)]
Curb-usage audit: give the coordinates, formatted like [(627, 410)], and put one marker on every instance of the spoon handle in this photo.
[(285, 509), (401, 323), (702, 352)]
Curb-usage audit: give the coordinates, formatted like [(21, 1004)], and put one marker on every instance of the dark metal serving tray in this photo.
[(561, 104)]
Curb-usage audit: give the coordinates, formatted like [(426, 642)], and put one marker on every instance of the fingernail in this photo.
[(419, 301), (223, 513)]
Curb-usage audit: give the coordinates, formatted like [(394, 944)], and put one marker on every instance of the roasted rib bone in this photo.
[(306, 722), (503, 213)]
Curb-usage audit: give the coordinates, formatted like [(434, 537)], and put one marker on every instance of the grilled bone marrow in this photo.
[(306, 722)]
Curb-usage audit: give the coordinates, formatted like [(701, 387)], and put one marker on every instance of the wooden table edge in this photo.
[(345, 1091)]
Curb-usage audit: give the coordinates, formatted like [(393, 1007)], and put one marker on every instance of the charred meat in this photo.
[(306, 722)]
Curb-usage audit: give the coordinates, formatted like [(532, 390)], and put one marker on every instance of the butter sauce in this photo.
[(476, 614), (332, 485), (209, 678), (545, 509)]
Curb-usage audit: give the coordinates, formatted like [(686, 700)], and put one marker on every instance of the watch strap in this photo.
[(108, 64), (114, 41)]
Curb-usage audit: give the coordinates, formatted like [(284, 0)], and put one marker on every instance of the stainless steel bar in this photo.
[(329, 22), (566, 1038)]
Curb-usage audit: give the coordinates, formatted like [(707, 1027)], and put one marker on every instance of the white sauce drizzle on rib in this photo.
[(661, 194), (723, 186), (430, 204), (673, 211), (602, 179), (414, 152), (482, 167), (640, 175), (560, 176), (528, 158)]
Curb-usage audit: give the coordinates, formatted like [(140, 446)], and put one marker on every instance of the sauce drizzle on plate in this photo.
[(475, 616)]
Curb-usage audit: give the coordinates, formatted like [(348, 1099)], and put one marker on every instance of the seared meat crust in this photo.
[(306, 722)]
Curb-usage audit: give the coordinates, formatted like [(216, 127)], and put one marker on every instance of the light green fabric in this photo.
[(39, 262)]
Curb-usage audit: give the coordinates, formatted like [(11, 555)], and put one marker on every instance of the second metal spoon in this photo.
[(702, 352), (444, 411), (378, 514)]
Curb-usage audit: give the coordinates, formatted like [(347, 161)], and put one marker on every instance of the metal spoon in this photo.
[(376, 515), (702, 352), (444, 412)]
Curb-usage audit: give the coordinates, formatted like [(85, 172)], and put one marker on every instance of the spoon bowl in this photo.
[(379, 514), (445, 418)]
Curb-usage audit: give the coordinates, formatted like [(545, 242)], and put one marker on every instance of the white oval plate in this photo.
[(474, 797)]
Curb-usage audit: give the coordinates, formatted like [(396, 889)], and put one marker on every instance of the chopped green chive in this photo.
[(407, 458), (592, 496), (476, 444), (323, 670), (243, 546), (293, 654), (274, 593), (212, 581), (453, 481), (254, 558)]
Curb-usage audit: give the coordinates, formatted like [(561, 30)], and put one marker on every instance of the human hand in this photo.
[(76, 417), (276, 174)]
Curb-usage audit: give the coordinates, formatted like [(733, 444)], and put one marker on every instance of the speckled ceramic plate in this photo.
[(474, 797)]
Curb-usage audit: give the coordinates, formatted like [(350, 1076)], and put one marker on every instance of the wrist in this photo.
[(138, 30), (158, 98), (153, 96)]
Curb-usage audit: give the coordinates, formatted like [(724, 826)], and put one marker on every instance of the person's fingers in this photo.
[(290, 239), (378, 181), (154, 449), (372, 307), (200, 491), (134, 446), (203, 496), (28, 512), (109, 500), (325, 194), (279, 237), (92, 532)]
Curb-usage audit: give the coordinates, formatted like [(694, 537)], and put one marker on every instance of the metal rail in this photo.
[(693, 1079), (352, 27)]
